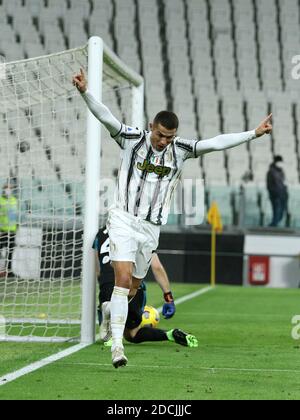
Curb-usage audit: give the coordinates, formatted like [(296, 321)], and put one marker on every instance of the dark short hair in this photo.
[(278, 158), (167, 119)]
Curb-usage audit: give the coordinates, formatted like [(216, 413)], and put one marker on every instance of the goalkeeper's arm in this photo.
[(162, 279), (160, 274), (229, 141), (100, 111)]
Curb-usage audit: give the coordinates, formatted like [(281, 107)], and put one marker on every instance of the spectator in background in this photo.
[(8, 225), (278, 190)]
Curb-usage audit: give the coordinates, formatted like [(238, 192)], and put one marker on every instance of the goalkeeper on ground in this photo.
[(133, 333)]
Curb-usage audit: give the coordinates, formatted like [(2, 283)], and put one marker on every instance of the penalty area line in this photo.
[(191, 296), (203, 368), (10, 377)]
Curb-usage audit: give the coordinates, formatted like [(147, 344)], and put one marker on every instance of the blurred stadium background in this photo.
[(222, 65)]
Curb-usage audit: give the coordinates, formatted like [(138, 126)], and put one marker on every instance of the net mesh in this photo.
[(42, 148)]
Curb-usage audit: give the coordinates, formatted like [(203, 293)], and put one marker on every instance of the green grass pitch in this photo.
[(246, 352)]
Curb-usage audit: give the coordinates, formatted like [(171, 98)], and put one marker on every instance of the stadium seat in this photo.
[(223, 73), (266, 206), (222, 195), (249, 205), (294, 203)]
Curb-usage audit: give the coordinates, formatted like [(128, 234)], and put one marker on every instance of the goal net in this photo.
[(52, 197)]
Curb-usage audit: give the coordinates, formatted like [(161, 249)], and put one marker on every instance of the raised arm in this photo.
[(100, 111), (228, 141)]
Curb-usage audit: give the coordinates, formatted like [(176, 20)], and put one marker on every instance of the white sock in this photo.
[(119, 313), (106, 310)]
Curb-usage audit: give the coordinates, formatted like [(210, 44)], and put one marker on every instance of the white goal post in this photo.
[(51, 148), (97, 49)]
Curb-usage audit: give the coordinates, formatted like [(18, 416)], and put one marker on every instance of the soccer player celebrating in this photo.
[(134, 332), (151, 166)]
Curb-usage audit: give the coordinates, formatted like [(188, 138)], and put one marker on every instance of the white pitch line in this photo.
[(74, 349), (245, 370)]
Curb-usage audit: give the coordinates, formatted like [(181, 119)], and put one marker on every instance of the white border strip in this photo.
[(10, 377)]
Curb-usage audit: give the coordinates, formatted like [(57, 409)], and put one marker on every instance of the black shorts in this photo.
[(135, 307), (106, 290)]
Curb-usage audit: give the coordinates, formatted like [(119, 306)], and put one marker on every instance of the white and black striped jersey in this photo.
[(148, 178)]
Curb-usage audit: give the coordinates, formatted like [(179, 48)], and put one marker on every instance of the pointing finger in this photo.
[(268, 119)]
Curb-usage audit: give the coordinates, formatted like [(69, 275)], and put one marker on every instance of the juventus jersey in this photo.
[(148, 178)]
